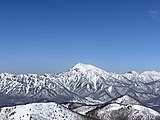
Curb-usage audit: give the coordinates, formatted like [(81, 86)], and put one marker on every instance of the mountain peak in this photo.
[(82, 66), (88, 67), (79, 65)]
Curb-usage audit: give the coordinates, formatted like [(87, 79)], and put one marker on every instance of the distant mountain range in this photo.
[(83, 84)]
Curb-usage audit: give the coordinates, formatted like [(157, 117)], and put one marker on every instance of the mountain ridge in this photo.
[(123, 108), (82, 83)]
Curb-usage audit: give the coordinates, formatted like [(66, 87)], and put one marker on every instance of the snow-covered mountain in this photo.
[(83, 83), (40, 111), (124, 108), (121, 108), (125, 112)]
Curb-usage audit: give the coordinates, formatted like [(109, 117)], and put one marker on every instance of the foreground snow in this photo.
[(38, 111)]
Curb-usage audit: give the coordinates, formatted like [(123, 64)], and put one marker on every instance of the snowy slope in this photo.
[(39, 111), (83, 83), (122, 112), (124, 108)]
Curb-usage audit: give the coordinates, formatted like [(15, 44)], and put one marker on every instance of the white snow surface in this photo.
[(38, 111), (132, 111), (110, 89), (140, 108)]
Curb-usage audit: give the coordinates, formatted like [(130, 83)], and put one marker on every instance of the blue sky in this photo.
[(49, 36)]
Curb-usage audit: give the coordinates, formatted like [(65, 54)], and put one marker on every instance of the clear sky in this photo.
[(49, 36)]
